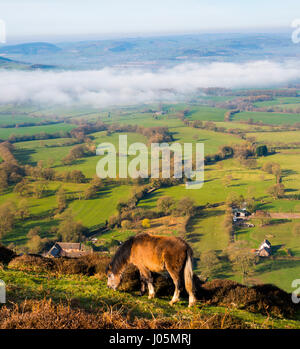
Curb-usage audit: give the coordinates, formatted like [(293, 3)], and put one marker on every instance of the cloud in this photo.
[(111, 86)]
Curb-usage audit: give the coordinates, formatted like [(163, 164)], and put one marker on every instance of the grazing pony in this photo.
[(154, 253)]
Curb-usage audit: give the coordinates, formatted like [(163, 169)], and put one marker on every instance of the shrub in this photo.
[(185, 207), (33, 232), (126, 224), (262, 150), (146, 223), (276, 191), (36, 244), (210, 263), (91, 264), (165, 204)]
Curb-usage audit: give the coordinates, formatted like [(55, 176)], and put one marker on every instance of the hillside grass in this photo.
[(91, 294)]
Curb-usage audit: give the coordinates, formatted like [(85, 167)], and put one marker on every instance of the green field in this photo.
[(34, 151), (212, 141), (276, 137), (207, 113), (95, 212), (11, 119), (32, 130), (279, 101), (268, 118)]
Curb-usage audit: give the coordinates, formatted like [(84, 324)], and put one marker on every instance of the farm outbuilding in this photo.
[(67, 249)]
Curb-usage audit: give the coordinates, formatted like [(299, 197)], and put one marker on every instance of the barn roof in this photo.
[(67, 249), (69, 245), (54, 251), (264, 252), (265, 244)]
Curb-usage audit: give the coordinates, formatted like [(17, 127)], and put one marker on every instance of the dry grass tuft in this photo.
[(93, 264), (47, 315)]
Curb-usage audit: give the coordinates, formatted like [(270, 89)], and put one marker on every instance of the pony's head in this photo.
[(117, 265), (113, 279)]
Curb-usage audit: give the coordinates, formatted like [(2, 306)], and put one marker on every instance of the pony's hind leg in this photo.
[(176, 295), (176, 281)]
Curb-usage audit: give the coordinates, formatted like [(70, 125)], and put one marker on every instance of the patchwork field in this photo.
[(226, 177)]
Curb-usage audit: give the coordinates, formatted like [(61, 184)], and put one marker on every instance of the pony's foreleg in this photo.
[(143, 285), (146, 275), (151, 289)]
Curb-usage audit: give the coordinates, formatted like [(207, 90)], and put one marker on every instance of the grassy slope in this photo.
[(91, 293)]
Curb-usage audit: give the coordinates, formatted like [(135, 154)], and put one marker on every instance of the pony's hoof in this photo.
[(151, 296), (192, 304)]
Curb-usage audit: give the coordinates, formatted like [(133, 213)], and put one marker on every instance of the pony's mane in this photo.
[(122, 255)]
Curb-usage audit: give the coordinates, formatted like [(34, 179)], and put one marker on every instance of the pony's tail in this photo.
[(188, 277)]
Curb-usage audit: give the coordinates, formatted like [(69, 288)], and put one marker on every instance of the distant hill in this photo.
[(6, 63), (122, 46), (30, 48), (156, 52), (5, 60)]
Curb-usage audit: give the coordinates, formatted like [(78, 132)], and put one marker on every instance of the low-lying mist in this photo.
[(111, 86)]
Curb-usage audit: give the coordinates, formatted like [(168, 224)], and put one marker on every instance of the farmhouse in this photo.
[(240, 213), (265, 249), (240, 216), (67, 249)]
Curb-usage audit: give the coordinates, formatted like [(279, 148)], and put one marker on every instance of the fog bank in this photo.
[(109, 86)]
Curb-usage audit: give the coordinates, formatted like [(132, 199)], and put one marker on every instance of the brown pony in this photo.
[(154, 253)]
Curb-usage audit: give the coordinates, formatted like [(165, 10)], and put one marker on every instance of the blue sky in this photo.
[(46, 18)]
